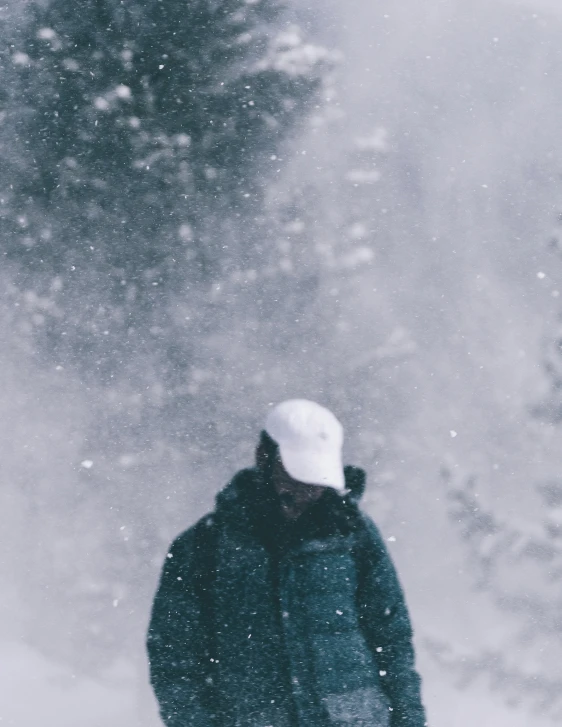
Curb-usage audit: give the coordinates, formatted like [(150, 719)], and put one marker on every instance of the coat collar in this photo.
[(250, 504)]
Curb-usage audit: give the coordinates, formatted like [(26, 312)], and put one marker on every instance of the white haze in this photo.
[(469, 96)]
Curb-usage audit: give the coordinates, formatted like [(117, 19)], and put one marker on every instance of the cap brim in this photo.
[(324, 469)]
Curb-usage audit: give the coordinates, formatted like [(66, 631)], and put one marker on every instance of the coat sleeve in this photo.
[(386, 624), (178, 641)]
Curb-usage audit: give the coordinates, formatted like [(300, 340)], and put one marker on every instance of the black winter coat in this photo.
[(260, 624)]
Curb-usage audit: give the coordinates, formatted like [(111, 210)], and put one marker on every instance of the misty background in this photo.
[(378, 230)]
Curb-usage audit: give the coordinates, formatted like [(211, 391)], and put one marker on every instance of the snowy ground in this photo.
[(36, 693), (475, 705)]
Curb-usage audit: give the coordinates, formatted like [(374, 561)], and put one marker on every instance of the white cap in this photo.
[(310, 442)]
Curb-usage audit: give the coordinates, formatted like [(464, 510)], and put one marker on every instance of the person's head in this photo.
[(300, 454)]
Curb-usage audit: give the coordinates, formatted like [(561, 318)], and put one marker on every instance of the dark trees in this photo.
[(140, 121)]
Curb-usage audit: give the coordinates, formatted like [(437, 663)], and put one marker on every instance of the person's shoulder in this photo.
[(188, 539), (370, 536), (242, 483), (368, 523), (214, 521)]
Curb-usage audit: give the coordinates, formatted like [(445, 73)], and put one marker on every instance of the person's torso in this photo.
[(289, 648)]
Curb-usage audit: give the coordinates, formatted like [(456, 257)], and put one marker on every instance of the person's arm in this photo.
[(386, 624), (178, 637)]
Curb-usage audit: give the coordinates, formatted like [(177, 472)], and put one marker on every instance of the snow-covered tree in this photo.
[(549, 409), (519, 564), (140, 121)]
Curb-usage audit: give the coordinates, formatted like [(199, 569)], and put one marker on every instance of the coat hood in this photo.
[(250, 503)]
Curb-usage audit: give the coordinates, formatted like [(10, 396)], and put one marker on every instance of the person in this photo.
[(283, 608)]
